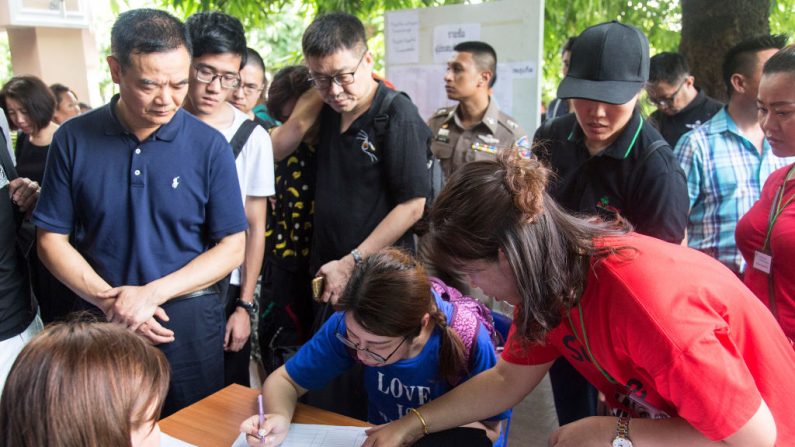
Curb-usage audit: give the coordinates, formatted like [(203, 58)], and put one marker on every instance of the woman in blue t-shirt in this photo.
[(397, 326)]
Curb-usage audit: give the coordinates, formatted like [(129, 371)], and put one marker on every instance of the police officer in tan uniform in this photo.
[(475, 129)]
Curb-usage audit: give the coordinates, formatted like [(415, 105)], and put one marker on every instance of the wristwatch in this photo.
[(622, 433), (357, 257), (245, 305)]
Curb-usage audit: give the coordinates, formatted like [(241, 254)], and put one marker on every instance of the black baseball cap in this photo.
[(609, 63)]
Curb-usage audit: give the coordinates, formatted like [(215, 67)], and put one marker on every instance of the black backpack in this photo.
[(381, 126)]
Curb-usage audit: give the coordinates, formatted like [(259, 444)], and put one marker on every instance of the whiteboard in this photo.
[(419, 42)]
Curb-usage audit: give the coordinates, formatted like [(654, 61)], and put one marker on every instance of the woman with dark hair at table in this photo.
[(397, 324), (84, 384)]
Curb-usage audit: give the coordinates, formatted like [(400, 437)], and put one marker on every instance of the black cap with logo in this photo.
[(609, 63)]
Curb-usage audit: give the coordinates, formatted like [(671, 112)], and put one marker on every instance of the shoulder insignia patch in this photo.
[(441, 111), (523, 142)]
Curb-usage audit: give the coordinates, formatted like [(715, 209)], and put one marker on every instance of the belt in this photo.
[(213, 289)]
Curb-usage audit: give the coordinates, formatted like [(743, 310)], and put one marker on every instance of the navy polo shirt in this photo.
[(647, 187), (139, 210)]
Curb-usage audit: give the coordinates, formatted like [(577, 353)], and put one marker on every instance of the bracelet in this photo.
[(422, 419)]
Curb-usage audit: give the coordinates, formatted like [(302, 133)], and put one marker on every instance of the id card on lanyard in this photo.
[(763, 258)]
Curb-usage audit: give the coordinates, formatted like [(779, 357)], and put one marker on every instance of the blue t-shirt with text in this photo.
[(391, 389)]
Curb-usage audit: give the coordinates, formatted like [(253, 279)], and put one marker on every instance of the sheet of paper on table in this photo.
[(170, 441), (305, 435)]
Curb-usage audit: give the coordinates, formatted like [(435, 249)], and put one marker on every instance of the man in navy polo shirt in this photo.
[(609, 161), (146, 188)]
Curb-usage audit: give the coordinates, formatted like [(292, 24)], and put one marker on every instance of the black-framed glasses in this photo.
[(251, 89), (207, 75), (355, 346), (669, 100), (341, 79)]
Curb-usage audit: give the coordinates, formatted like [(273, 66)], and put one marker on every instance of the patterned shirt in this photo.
[(725, 174), (289, 233)]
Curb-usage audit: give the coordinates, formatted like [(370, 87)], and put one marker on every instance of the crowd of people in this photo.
[(644, 256)]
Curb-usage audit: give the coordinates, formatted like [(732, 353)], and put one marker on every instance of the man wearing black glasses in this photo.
[(681, 107), (370, 188), (219, 53)]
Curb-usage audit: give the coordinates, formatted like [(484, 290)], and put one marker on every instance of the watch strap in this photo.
[(622, 428), (249, 306), (357, 256)]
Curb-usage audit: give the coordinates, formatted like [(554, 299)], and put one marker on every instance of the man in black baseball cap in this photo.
[(609, 161)]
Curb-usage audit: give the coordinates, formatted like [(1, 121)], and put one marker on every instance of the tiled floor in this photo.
[(534, 419)]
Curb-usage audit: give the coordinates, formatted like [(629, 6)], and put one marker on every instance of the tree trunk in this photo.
[(710, 28)]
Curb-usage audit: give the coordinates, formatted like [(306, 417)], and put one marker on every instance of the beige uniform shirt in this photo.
[(454, 145)]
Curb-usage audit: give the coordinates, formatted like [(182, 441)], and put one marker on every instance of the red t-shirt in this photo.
[(682, 337), (750, 235)]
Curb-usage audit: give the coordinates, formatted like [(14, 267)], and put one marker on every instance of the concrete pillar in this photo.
[(65, 55)]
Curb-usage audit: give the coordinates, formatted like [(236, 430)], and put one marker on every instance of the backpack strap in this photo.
[(381, 119), (467, 317), (241, 136)]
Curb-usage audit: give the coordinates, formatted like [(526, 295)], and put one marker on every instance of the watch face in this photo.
[(622, 442)]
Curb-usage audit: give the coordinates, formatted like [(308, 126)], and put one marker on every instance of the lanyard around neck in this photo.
[(587, 346), (777, 207)]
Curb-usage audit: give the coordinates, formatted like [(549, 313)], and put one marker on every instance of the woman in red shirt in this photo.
[(766, 234), (684, 353)]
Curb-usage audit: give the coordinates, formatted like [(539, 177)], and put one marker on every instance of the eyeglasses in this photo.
[(355, 346), (251, 89), (207, 75), (341, 79), (667, 101)]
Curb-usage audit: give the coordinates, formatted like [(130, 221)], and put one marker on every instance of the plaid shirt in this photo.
[(725, 174)]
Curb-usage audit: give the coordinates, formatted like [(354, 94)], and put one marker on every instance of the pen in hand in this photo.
[(261, 431)]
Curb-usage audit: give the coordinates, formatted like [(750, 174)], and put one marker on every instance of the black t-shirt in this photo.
[(16, 310), (646, 187), (30, 158), (698, 112), (358, 184)]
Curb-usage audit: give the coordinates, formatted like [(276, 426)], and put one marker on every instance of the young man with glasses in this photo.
[(727, 159), (681, 107), (247, 96), (219, 53)]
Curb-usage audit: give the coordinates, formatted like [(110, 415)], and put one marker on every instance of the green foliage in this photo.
[(782, 20), (276, 26), (660, 20), (6, 72)]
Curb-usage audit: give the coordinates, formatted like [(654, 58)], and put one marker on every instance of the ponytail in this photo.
[(452, 355)]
